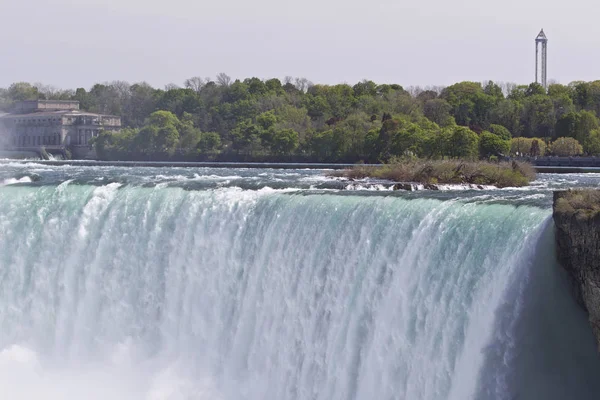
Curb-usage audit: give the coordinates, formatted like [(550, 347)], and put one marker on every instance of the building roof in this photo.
[(541, 37), (60, 113)]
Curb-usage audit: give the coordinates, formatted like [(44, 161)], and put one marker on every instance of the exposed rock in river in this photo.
[(577, 220)]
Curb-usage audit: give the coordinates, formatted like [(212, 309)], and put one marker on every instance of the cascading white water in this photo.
[(128, 292)]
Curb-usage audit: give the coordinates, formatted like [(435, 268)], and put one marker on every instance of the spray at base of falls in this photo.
[(129, 292)]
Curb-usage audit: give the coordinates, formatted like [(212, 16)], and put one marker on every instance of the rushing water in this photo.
[(173, 283)]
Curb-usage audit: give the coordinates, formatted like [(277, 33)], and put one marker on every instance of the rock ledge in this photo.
[(576, 216)]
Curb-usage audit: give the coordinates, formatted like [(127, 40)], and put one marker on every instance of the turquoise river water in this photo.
[(201, 283)]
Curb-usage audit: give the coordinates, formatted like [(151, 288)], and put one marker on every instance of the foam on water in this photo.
[(12, 181), (126, 292)]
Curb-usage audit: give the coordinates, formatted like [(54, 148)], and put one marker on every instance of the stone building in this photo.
[(54, 126)]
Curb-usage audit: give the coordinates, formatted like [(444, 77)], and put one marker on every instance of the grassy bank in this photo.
[(502, 174)]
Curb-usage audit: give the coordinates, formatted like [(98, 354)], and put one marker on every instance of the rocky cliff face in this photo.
[(577, 220)]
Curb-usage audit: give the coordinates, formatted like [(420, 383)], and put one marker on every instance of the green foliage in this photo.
[(566, 147), (22, 91), (295, 120), (463, 143), (532, 147), (535, 89), (500, 131), (492, 145), (267, 120), (284, 141), (591, 145), (438, 111), (209, 142), (503, 174)]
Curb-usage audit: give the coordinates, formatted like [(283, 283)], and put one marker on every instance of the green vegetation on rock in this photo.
[(501, 174), (579, 203)]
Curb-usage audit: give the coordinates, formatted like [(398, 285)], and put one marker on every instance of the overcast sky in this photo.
[(73, 43)]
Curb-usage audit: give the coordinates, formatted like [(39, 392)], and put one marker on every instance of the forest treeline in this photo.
[(294, 120)]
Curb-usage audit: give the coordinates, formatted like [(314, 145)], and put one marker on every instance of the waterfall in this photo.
[(133, 292)]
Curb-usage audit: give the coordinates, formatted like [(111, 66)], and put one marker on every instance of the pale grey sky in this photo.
[(73, 44)]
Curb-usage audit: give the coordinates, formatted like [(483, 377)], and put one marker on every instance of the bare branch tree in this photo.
[(50, 92), (195, 83), (507, 87), (121, 88), (302, 84), (223, 79), (414, 91), (171, 86)]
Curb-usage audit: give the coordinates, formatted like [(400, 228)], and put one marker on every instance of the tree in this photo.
[(267, 120), (491, 89), (492, 145), (223, 79), (321, 145), (533, 147), (463, 143), (508, 113), (462, 96), (535, 89), (163, 118), (317, 106), (195, 83), (500, 131), (361, 121), (256, 86), (365, 88), (438, 111), (246, 138), (179, 101), (538, 118), (577, 125), (587, 123), (274, 86), (591, 145), (582, 96), (407, 140), (209, 142), (141, 104), (566, 147), (557, 90), (21, 91), (284, 141)]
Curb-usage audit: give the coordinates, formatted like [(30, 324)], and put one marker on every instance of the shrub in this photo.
[(566, 147), (585, 203), (527, 147)]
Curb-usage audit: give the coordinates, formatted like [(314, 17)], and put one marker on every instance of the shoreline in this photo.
[(258, 165)]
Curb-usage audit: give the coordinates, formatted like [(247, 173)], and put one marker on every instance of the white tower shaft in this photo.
[(543, 74)]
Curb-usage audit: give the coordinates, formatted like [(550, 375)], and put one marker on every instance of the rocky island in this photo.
[(430, 173)]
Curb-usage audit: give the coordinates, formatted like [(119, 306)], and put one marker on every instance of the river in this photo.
[(230, 283)]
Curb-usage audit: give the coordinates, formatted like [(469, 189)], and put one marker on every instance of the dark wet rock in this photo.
[(431, 186), (404, 186)]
